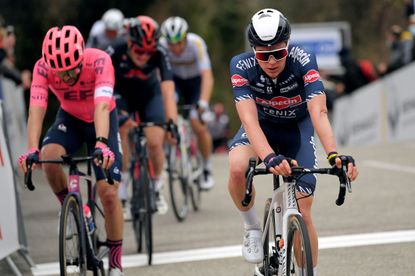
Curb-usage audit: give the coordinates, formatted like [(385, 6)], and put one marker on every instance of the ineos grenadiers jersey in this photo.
[(95, 84), (284, 99), (192, 60), (130, 78)]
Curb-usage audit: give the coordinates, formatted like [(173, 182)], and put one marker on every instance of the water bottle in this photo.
[(89, 219)]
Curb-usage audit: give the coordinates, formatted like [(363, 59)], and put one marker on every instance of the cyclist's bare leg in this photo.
[(204, 139), (54, 173), (238, 162), (124, 129), (114, 221), (155, 139), (304, 205)]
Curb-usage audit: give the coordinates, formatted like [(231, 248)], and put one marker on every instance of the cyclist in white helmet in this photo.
[(107, 30), (193, 78)]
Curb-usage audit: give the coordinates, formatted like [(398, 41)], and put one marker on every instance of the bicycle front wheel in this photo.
[(197, 176), (72, 253), (299, 259), (99, 237), (178, 182), (148, 211), (270, 262)]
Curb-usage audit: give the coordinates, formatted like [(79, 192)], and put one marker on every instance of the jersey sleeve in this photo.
[(203, 60), (164, 64), (104, 78), (39, 86), (313, 84), (239, 79)]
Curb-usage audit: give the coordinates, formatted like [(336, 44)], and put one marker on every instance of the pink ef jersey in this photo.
[(95, 85)]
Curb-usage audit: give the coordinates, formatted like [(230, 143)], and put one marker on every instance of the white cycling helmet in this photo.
[(174, 29), (268, 27), (113, 19)]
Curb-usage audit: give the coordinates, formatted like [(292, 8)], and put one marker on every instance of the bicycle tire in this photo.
[(178, 183), (72, 259), (99, 238), (195, 190), (136, 215), (270, 262), (301, 264), (148, 211)]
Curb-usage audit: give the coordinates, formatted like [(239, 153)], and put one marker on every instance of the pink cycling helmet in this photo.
[(63, 48)]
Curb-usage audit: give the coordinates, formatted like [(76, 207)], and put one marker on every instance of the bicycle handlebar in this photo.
[(65, 160), (297, 171)]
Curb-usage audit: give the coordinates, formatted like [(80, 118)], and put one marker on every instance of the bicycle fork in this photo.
[(284, 205)]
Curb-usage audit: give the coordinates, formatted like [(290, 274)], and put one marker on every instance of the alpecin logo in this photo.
[(280, 102), (311, 76), (238, 80)]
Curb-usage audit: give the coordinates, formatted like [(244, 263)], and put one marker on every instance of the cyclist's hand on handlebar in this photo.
[(279, 164), (172, 133), (103, 156), (30, 157), (338, 160)]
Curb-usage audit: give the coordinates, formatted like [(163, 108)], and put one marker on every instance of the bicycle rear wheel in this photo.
[(72, 253), (178, 183), (270, 262), (299, 259), (197, 175)]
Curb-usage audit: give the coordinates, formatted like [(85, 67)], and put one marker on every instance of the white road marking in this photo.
[(139, 260), (389, 166)]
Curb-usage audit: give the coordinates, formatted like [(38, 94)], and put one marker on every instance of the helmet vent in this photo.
[(67, 33), (59, 59), (67, 61), (76, 54), (66, 46), (58, 43)]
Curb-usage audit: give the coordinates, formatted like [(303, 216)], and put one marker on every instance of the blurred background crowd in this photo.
[(382, 38)]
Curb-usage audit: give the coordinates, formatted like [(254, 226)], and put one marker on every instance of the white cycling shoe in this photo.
[(252, 249), (161, 203), (115, 272), (207, 182)]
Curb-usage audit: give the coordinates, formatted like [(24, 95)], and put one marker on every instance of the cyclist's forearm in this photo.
[(34, 125), (248, 114), (169, 102), (101, 120), (206, 85), (318, 113)]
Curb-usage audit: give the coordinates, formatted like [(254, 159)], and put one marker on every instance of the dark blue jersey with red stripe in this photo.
[(280, 100)]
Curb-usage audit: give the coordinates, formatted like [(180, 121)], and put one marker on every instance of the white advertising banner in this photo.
[(14, 112), (8, 216), (357, 118), (400, 95)]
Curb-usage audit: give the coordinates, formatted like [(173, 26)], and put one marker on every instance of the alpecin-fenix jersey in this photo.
[(95, 85), (281, 100)]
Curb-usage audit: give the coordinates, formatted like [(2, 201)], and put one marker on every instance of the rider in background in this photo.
[(107, 31), (280, 101), (144, 83), (193, 78), (82, 80)]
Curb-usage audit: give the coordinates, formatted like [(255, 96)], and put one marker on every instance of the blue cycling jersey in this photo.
[(280, 100)]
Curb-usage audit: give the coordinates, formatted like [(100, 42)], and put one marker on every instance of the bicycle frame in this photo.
[(74, 179), (284, 205)]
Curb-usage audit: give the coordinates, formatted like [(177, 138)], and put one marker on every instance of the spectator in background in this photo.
[(107, 31), (7, 58), (400, 45), (353, 77), (411, 29), (219, 128)]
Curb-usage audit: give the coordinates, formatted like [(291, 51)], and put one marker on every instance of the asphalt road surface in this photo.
[(372, 234)]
